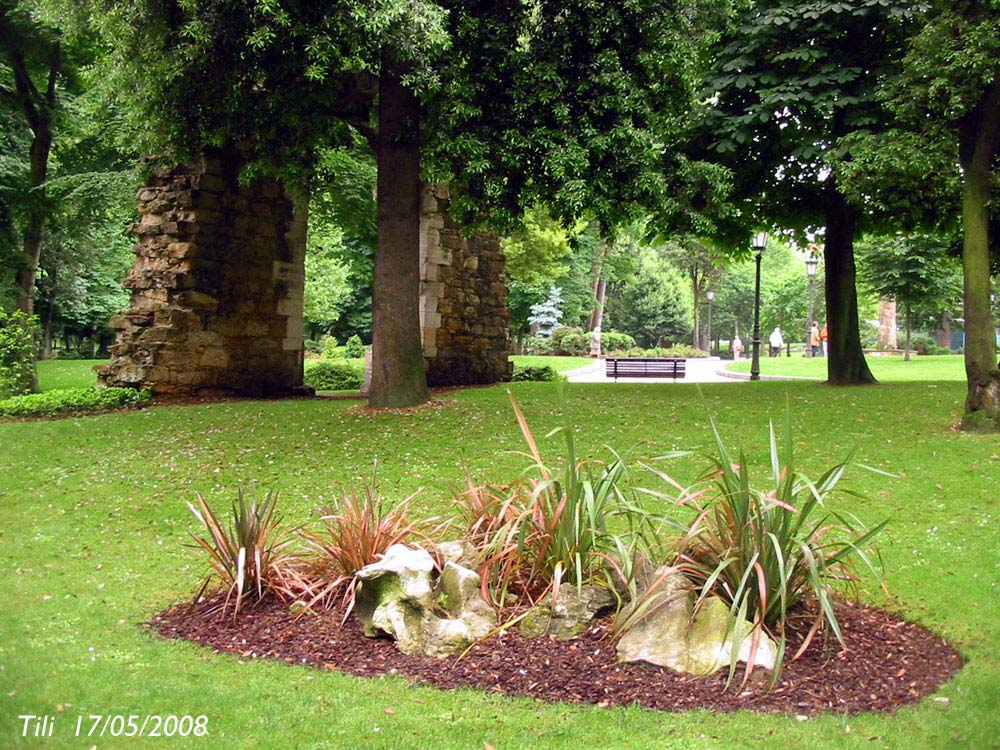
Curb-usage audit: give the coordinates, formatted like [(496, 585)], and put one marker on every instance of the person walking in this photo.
[(776, 341), (814, 339), (824, 337), (737, 346)]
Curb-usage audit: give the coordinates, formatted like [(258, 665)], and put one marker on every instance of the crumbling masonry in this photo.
[(218, 282)]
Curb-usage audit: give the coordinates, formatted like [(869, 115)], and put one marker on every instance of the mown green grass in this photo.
[(885, 369), (94, 532), (67, 373), (561, 364)]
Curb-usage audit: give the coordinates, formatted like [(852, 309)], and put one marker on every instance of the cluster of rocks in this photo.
[(442, 613)]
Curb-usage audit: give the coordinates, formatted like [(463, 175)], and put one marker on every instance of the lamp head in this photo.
[(710, 295), (811, 262), (759, 241)]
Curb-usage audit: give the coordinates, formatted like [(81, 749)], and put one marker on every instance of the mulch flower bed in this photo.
[(889, 662)]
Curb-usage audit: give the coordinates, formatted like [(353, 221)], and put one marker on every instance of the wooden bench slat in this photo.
[(645, 367)]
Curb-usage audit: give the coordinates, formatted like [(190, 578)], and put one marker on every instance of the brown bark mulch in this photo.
[(888, 663)]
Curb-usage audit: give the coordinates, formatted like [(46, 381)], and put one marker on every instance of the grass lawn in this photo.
[(561, 364), (67, 373), (885, 369), (95, 527)]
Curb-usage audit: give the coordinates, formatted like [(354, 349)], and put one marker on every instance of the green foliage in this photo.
[(543, 373), (678, 351), (249, 555), (654, 305), (614, 341), (335, 375), (331, 347), (328, 287), (767, 551), (354, 347), (538, 345), (543, 532), (547, 315), (17, 356), (69, 485), (922, 344), (915, 270), (535, 254), (574, 345), (560, 332), (73, 401)]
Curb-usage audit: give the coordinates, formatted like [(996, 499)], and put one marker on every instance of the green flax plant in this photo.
[(775, 552), (547, 528), (249, 555)]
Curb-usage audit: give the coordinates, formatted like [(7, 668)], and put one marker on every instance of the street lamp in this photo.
[(811, 262), (759, 242), (710, 295)]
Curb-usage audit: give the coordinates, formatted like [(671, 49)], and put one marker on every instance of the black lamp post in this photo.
[(759, 242), (811, 262), (710, 295)]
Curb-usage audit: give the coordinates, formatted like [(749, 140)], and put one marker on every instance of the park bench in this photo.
[(644, 367)]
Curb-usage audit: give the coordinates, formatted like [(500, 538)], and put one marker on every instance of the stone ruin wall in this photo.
[(463, 313), (216, 289)]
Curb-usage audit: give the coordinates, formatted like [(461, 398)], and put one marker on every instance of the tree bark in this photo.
[(696, 292), (398, 370), (979, 138), (37, 107), (598, 286), (846, 364)]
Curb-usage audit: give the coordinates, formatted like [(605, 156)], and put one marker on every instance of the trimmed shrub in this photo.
[(545, 373), (331, 347), (73, 401), (17, 365), (336, 375), (679, 351), (354, 347), (614, 341), (575, 345), (922, 344), (558, 336), (538, 345)]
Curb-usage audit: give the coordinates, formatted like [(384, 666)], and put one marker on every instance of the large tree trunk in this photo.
[(696, 292), (34, 228), (979, 138), (846, 364), (398, 369), (37, 107)]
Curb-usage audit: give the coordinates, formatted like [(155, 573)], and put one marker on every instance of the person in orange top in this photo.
[(814, 340), (824, 337)]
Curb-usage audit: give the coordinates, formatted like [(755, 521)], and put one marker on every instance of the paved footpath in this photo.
[(703, 370)]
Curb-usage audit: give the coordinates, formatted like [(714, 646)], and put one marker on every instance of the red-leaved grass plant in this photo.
[(357, 530), (250, 555), (542, 531)]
